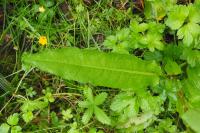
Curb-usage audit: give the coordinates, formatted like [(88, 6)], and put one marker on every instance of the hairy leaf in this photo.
[(121, 101), (99, 99), (101, 116), (139, 122), (88, 94), (87, 115), (84, 104), (99, 68)]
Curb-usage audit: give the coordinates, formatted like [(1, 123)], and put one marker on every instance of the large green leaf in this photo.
[(99, 68), (192, 118), (4, 128)]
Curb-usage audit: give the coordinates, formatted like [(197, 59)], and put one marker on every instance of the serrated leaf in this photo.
[(192, 86), (120, 42), (177, 16), (88, 94), (152, 41), (101, 116), (121, 101), (87, 115), (192, 56), (151, 103), (16, 129), (13, 119), (157, 9), (28, 116), (156, 28), (143, 120), (192, 118), (100, 98), (67, 114), (146, 35), (173, 52), (136, 27), (84, 104), (171, 86), (132, 109), (99, 68), (167, 125), (189, 33), (33, 105)]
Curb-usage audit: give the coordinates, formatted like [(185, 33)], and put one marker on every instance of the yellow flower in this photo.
[(43, 40), (41, 9)]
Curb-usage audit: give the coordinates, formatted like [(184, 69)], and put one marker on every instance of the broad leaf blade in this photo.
[(99, 68), (4, 128), (192, 118)]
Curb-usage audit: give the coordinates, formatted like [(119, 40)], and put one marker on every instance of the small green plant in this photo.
[(67, 114), (92, 107), (188, 31), (11, 125)]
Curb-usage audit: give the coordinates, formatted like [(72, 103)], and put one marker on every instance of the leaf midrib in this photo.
[(100, 68)]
